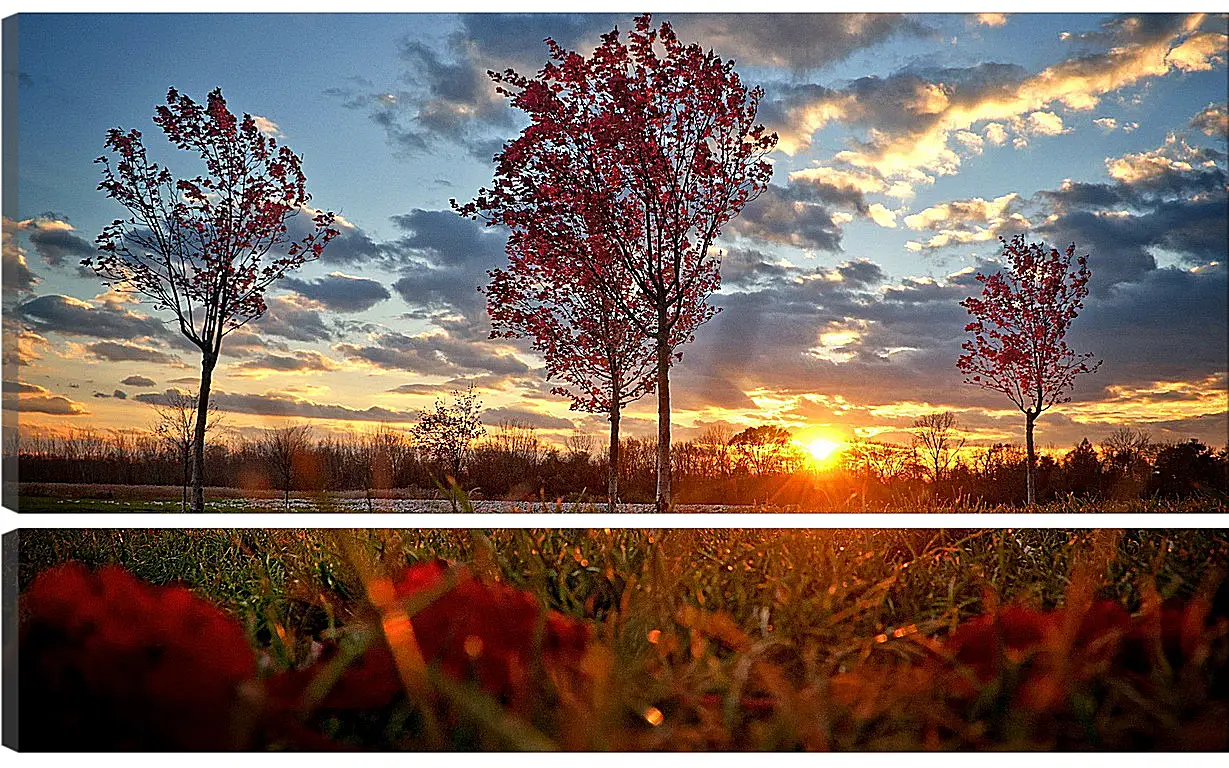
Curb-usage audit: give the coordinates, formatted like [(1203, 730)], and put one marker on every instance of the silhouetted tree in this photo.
[(283, 451), (933, 438), (175, 424), (445, 432), (1185, 469), (764, 449), (1081, 469)]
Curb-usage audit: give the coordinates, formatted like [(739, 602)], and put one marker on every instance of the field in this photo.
[(101, 497), (712, 639)]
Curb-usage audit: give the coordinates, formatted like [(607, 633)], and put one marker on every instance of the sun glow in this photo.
[(824, 452)]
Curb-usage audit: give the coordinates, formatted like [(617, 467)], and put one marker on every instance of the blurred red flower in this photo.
[(107, 662), (488, 633)]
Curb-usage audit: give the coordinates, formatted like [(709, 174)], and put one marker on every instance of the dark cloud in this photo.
[(526, 418), (444, 93), (1169, 325), (789, 215), (340, 293), (289, 319), (67, 315), (1172, 198), (1212, 120), (55, 245), (420, 389), (22, 388), (17, 277), (118, 394), (139, 381), (433, 355), (298, 361), (56, 405), (443, 259), (118, 351), (798, 41), (282, 404)]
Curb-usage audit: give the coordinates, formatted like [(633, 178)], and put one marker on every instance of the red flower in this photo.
[(108, 662), (984, 643), (484, 632)]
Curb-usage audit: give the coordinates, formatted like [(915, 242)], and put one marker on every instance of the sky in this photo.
[(908, 144)]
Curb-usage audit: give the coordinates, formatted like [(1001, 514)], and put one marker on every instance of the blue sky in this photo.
[(908, 144)]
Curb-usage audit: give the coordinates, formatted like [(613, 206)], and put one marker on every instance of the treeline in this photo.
[(513, 462)]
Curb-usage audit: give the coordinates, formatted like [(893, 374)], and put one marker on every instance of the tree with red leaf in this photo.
[(633, 161), (1020, 323), (205, 248), (602, 362)]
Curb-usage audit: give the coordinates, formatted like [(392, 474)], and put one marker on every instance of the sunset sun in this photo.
[(824, 451)]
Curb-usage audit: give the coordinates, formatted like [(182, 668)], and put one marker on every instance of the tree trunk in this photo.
[(612, 465), (208, 361), (186, 464), (663, 413), (1029, 461)]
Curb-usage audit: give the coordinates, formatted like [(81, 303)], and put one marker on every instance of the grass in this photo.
[(695, 629)]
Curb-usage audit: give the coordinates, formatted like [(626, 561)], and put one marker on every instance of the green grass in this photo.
[(812, 605)]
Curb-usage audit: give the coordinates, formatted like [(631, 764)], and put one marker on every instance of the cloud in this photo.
[(914, 114), (421, 389), (340, 292), (284, 404), (525, 417), (56, 405), (433, 354), (119, 351), (300, 361), (139, 381), (1171, 198), (292, 318), (22, 388), (118, 394), (16, 277), (267, 126), (1155, 171), (67, 315), (443, 93), (967, 221), (800, 42), (1213, 120), (443, 258), (790, 215), (992, 19), (53, 240)]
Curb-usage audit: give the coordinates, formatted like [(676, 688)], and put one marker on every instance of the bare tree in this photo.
[(385, 454), (934, 439), (175, 425), (282, 449), (580, 445), (446, 431), (1127, 453)]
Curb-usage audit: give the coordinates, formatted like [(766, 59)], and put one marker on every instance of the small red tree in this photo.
[(207, 247), (634, 158), (1019, 328), (602, 362)]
